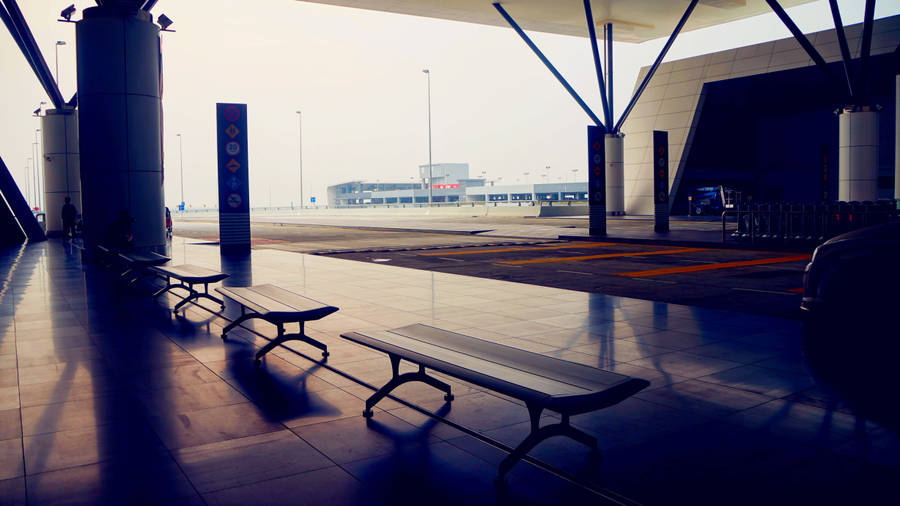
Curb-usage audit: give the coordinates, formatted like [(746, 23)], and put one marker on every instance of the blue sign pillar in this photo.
[(661, 181), (234, 181), (596, 180)]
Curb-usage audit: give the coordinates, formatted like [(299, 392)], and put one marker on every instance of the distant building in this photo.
[(450, 183)]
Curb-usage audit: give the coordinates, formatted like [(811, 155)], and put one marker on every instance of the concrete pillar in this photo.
[(858, 155), (119, 123), (62, 175), (897, 138), (615, 174)]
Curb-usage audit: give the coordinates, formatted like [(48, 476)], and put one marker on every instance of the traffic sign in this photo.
[(234, 200), (233, 165), (232, 131), (232, 148), (232, 113)]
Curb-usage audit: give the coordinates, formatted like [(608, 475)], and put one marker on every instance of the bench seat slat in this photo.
[(584, 375), (190, 273), (442, 358), (277, 304), (287, 298)]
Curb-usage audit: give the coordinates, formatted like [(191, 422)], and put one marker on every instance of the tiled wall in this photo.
[(674, 97)]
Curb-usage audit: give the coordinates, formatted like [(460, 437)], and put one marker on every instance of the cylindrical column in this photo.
[(858, 155), (897, 138), (615, 174), (119, 124), (62, 175)]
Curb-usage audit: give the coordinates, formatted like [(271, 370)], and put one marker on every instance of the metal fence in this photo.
[(802, 224)]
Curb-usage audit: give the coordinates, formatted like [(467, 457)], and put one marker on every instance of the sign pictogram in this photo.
[(232, 148), (234, 200), (233, 165), (234, 183), (232, 131), (232, 113)]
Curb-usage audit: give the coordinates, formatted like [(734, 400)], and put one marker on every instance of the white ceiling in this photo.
[(633, 20)]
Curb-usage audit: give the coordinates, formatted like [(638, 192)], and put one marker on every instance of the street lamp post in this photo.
[(30, 166), (181, 162), (37, 159), (300, 120), (430, 195), (58, 43)]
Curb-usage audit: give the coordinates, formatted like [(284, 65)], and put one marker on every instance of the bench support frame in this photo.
[(192, 293), (539, 434), (281, 338), (399, 379)]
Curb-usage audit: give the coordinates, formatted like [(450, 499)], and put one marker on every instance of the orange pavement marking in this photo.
[(710, 267), (536, 248), (608, 255), (796, 290)]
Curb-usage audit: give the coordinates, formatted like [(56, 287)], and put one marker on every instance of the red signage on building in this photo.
[(442, 186)]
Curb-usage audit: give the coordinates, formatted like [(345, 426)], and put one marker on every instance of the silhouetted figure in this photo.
[(69, 214), (118, 235)]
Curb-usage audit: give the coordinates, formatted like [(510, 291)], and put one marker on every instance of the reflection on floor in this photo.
[(106, 397)]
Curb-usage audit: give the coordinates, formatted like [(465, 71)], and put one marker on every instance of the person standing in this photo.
[(69, 213)]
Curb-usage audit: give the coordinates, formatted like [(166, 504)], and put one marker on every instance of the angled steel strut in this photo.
[(546, 62)]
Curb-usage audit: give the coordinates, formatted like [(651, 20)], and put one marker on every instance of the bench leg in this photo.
[(539, 434), (282, 337), (192, 295), (241, 319), (399, 379), (164, 289)]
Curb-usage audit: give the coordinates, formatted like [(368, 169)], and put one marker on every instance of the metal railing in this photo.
[(803, 224)]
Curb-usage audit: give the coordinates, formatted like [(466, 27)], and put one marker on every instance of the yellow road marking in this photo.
[(710, 267), (535, 248), (608, 255)]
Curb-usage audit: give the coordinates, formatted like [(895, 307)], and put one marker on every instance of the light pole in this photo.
[(181, 162), (300, 119), (56, 48), (30, 167), (37, 159), (27, 182), (547, 174), (430, 196)]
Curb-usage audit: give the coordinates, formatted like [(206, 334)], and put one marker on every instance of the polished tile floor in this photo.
[(106, 397)]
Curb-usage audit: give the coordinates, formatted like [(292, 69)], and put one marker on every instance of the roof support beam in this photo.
[(607, 113), (842, 41), (546, 62), (609, 70), (806, 45), (34, 54), (652, 71), (7, 20), (865, 50)]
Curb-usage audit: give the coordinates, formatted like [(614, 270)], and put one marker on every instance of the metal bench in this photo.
[(541, 382), (138, 264), (188, 276), (278, 307)]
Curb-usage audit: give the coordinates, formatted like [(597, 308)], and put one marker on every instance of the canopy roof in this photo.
[(633, 20)]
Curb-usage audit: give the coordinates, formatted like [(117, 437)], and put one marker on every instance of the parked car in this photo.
[(851, 307)]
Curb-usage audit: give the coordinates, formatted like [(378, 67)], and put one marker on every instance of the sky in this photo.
[(357, 77)]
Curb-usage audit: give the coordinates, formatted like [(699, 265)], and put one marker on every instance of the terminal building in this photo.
[(451, 184)]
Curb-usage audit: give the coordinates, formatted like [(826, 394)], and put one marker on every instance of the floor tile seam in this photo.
[(733, 410), (743, 364), (21, 427), (816, 442), (273, 478)]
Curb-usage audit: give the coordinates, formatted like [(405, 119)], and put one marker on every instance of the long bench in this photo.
[(539, 381), (187, 276), (278, 307), (138, 264)]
